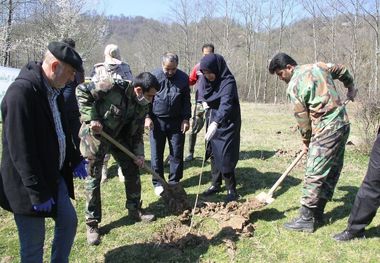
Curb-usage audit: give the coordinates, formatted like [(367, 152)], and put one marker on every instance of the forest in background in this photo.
[(246, 32)]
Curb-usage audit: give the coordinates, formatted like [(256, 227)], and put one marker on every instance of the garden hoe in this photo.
[(174, 196), (267, 198)]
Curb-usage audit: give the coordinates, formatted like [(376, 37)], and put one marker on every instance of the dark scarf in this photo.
[(216, 64)]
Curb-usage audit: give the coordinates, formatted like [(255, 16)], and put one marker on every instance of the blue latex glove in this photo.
[(44, 207), (80, 170)]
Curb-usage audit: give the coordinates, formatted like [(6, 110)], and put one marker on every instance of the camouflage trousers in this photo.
[(196, 125), (324, 164), (130, 171)]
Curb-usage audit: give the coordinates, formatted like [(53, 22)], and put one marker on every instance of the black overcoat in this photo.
[(30, 156), (222, 97)]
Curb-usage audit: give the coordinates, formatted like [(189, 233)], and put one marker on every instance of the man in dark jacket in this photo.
[(169, 119), (71, 103), (38, 158), (367, 200)]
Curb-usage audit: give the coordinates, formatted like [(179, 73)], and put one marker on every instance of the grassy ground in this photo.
[(266, 129)]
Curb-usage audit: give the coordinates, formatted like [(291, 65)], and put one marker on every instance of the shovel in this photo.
[(174, 196), (267, 198)]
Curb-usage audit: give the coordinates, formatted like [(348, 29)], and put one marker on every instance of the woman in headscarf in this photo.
[(223, 132)]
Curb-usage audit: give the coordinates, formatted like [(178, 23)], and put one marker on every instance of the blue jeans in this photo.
[(31, 231)]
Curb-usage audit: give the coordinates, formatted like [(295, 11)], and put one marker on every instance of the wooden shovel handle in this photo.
[(131, 155), (291, 166)]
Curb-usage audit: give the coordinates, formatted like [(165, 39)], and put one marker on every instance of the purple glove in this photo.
[(80, 170), (44, 207)]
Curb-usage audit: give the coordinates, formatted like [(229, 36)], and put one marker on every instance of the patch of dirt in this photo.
[(232, 219), (287, 153)]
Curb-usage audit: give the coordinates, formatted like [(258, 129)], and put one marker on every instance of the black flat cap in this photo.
[(67, 54)]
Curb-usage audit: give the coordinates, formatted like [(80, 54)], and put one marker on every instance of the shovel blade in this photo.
[(175, 198), (265, 198)]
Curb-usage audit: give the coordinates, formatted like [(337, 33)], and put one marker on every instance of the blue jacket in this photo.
[(173, 98)]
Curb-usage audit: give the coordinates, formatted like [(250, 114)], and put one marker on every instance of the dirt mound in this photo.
[(232, 221), (287, 153)]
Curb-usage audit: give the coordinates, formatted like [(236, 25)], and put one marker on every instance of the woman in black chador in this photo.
[(223, 132)]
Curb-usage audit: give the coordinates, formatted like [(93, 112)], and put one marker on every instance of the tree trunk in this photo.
[(7, 35)]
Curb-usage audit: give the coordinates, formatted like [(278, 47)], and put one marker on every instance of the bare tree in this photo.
[(373, 20), (248, 12), (311, 7), (181, 9), (7, 33)]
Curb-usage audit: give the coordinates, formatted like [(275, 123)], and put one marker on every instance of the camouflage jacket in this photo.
[(317, 106), (117, 110)]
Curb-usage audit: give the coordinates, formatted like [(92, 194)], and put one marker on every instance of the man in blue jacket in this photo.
[(169, 119)]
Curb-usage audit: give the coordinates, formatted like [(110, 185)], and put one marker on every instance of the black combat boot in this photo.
[(305, 222), (319, 211), (138, 214), (93, 237)]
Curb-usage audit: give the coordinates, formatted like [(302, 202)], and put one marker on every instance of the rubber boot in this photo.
[(192, 141), (305, 222), (319, 212), (93, 237), (138, 214)]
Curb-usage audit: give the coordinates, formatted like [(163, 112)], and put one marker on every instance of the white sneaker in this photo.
[(120, 174), (158, 190), (104, 173)]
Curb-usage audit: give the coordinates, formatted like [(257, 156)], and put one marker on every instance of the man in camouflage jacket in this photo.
[(324, 127), (117, 107)]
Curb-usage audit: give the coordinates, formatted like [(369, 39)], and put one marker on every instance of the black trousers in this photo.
[(367, 199), (170, 130), (217, 176)]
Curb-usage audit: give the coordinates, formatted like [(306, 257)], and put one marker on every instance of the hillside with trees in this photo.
[(246, 32)]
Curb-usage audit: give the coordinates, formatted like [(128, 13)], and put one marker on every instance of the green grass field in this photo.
[(266, 129)]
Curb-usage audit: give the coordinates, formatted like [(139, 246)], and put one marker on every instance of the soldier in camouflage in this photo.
[(118, 107), (324, 127)]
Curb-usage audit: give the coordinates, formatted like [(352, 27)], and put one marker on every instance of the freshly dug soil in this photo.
[(232, 221)]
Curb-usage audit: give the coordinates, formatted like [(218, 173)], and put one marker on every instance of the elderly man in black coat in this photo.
[(38, 158)]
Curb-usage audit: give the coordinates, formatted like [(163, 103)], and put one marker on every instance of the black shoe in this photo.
[(305, 222), (92, 233), (211, 190), (139, 215), (232, 195), (347, 235)]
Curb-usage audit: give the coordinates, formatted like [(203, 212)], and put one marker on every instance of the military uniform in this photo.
[(122, 117), (323, 123)]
